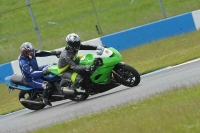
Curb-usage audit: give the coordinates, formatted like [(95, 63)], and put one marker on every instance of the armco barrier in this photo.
[(196, 18), (147, 33), (128, 38), (5, 70)]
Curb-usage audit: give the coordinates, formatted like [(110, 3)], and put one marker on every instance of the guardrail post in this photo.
[(162, 8), (34, 23), (99, 26)]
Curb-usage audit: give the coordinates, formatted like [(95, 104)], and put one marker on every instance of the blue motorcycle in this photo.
[(31, 98)]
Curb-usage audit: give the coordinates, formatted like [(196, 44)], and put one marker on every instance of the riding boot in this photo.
[(78, 89), (46, 87)]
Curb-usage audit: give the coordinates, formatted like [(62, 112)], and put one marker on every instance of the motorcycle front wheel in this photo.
[(28, 95), (126, 75)]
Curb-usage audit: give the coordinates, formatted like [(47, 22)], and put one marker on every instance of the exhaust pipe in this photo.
[(23, 100), (67, 91)]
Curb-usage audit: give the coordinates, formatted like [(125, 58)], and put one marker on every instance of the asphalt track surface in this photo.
[(151, 84)]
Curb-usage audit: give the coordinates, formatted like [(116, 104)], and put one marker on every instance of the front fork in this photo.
[(118, 73)]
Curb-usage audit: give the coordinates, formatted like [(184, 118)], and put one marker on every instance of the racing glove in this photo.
[(97, 62), (56, 53), (45, 72), (91, 69)]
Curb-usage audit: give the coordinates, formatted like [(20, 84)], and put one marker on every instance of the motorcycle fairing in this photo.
[(102, 74)]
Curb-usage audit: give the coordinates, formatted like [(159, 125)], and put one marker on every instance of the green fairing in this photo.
[(54, 69), (102, 73), (88, 59)]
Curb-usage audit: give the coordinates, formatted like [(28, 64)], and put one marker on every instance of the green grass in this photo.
[(175, 111), (76, 16), (9, 101)]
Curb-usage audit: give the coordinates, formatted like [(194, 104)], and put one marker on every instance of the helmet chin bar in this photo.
[(30, 57), (71, 49)]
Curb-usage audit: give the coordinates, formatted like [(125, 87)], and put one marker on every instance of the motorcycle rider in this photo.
[(30, 70), (68, 67)]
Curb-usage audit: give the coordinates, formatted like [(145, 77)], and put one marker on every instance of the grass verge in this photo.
[(176, 111)]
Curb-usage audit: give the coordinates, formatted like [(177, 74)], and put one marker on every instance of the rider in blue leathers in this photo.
[(31, 71)]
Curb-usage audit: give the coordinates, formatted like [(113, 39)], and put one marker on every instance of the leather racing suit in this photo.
[(30, 69), (68, 67)]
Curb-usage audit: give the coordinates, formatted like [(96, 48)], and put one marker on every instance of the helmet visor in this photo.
[(30, 52), (76, 48)]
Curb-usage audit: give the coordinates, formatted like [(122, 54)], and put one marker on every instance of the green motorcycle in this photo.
[(110, 72)]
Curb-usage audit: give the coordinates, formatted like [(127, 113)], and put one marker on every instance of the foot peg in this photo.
[(80, 90)]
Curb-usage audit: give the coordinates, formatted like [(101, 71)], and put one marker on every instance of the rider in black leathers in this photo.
[(68, 67)]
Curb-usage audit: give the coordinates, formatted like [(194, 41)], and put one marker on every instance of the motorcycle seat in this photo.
[(19, 80)]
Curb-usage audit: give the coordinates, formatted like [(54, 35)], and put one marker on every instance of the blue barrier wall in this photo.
[(5, 70), (147, 33)]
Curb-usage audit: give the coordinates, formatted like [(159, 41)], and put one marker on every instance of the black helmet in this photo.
[(27, 50), (73, 41)]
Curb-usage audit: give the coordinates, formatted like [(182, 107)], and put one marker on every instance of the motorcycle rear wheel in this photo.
[(127, 75), (31, 106)]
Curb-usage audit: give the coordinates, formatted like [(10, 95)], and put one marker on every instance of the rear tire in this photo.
[(129, 76), (27, 95)]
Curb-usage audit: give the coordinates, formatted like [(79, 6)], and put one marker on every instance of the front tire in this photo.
[(126, 75), (27, 95)]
